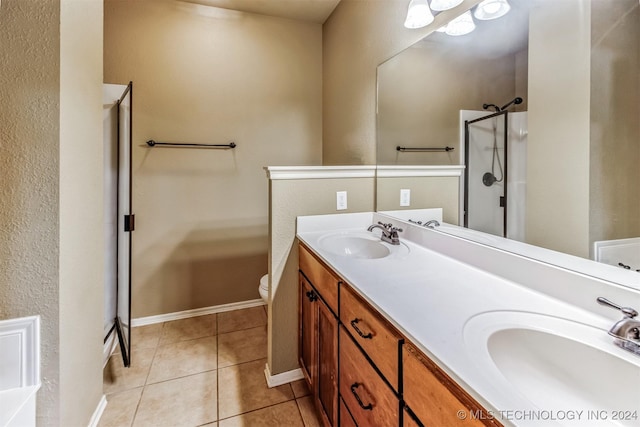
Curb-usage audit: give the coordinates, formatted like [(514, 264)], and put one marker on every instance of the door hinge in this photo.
[(502, 203), (129, 222)]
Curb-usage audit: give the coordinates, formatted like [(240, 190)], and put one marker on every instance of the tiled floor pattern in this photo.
[(202, 371)]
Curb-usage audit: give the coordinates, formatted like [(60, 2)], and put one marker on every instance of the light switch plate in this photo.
[(405, 197), (341, 200)]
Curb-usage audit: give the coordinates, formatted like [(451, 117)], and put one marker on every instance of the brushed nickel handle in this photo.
[(627, 311)]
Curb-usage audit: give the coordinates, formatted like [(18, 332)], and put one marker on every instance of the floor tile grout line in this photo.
[(244, 363), (300, 412), (144, 386), (182, 377), (261, 408), (157, 348), (243, 329), (155, 352), (187, 340)]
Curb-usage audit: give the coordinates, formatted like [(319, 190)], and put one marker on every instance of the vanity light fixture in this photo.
[(492, 9), (419, 14), (462, 25), (440, 5)]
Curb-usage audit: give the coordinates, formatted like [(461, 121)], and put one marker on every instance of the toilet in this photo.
[(264, 288)]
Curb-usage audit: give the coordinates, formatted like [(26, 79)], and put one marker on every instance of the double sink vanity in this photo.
[(439, 330)]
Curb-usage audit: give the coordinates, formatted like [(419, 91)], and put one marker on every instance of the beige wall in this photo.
[(81, 210), (426, 192), (290, 199), (51, 194), (421, 92), (558, 150), (358, 36), (208, 75), (615, 123), (29, 165)]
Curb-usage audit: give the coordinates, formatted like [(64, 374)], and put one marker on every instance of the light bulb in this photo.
[(419, 14), (462, 25), (444, 4), (491, 9)]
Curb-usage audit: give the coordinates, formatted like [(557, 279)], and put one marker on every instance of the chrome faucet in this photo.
[(389, 232), (625, 331), (432, 224)]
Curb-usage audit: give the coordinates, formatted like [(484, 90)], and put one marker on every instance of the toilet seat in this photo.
[(263, 289)]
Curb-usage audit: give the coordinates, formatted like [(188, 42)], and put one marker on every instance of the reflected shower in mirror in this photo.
[(575, 65)]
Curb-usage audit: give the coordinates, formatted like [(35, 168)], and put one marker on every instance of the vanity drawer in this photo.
[(374, 334), (434, 397), (320, 277), (366, 395), (346, 420)]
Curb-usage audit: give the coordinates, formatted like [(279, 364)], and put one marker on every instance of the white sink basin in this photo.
[(360, 246), (556, 365)]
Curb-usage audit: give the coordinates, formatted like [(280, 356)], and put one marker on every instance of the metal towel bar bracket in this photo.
[(426, 149), (152, 143)]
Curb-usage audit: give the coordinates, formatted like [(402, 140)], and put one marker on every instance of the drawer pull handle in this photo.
[(362, 334), (367, 407), (312, 296)]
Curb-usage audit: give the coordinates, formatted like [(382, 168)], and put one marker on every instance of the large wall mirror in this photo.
[(542, 106)]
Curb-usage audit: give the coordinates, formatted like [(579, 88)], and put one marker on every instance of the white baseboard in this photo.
[(149, 320), (282, 378), (97, 414)]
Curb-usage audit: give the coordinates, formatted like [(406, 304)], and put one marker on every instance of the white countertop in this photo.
[(430, 298)]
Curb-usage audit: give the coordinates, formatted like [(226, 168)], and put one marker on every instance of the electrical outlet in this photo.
[(341, 200), (405, 197)]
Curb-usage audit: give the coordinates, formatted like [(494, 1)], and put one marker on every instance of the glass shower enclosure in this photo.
[(494, 185)]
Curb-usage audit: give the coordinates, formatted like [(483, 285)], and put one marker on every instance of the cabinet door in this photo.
[(327, 397), (318, 350), (307, 329)]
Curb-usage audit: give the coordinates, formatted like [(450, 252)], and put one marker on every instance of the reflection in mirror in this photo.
[(575, 180)]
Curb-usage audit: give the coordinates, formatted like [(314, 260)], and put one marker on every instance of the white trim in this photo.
[(26, 353), (109, 347), (97, 414), (413, 171), (319, 172), (149, 320), (19, 406), (282, 378)]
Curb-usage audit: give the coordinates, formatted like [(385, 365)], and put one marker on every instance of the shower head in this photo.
[(516, 101)]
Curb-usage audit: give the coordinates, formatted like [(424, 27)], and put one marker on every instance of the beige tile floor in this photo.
[(206, 370)]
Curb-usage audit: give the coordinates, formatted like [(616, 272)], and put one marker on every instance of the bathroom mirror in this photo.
[(575, 64)]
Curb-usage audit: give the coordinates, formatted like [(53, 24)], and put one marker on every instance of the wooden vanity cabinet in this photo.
[(408, 419), (379, 340), (368, 398), (346, 420), (318, 335), (360, 369), (434, 397)]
